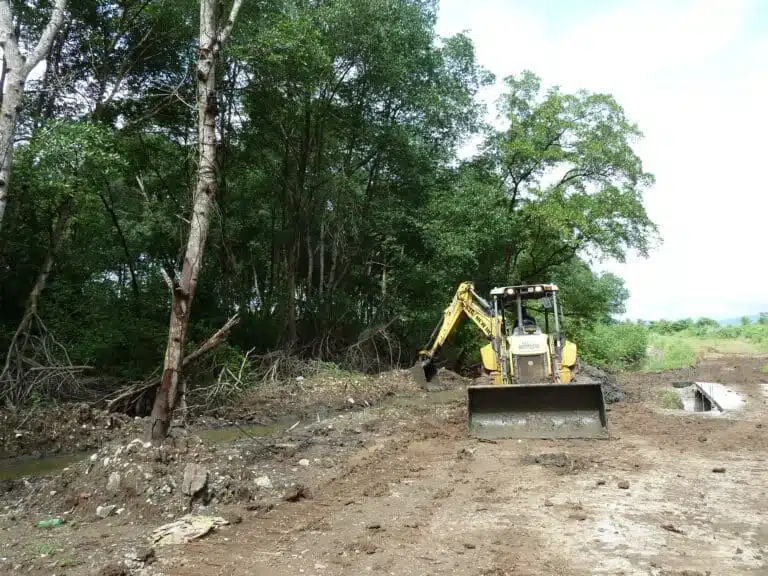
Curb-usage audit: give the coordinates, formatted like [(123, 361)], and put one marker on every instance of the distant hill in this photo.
[(737, 321)]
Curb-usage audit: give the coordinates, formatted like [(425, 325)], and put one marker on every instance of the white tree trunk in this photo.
[(183, 290), (18, 68)]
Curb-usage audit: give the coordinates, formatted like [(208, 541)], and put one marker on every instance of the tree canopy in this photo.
[(344, 217)]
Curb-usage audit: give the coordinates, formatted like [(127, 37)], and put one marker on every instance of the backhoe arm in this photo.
[(465, 302)]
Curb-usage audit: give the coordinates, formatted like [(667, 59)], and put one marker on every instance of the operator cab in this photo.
[(512, 298), (529, 324)]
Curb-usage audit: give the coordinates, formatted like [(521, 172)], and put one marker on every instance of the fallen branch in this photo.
[(217, 338)]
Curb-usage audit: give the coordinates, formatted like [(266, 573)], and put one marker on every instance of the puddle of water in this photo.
[(21, 467), (16, 468), (230, 433)]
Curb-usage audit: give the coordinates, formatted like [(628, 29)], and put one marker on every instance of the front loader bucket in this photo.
[(537, 411), (424, 372)]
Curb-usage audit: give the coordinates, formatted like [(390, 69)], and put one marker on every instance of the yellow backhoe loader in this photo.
[(535, 391)]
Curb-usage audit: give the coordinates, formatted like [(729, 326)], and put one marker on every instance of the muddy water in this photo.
[(17, 468), (231, 433)]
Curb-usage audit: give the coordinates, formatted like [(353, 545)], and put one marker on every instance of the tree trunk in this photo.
[(183, 290), (58, 231), (321, 272), (290, 334), (18, 68), (310, 264)]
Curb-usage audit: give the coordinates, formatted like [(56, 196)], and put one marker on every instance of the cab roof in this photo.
[(526, 291)]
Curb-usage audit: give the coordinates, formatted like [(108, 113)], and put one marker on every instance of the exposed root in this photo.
[(38, 366)]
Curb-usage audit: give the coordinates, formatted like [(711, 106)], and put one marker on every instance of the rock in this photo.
[(113, 483), (373, 526), (144, 555), (260, 507), (548, 503), (469, 546), (233, 518), (580, 516), (718, 470), (195, 479), (600, 483), (105, 511), (672, 528), (624, 485), (296, 493), (263, 482), (303, 462), (112, 569), (466, 454)]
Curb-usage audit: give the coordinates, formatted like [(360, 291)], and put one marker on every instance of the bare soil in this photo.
[(399, 488)]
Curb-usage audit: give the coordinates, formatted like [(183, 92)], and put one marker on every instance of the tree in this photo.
[(212, 39), (15, 70)]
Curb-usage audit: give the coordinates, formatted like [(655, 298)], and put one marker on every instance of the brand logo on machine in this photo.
[(528, 345)]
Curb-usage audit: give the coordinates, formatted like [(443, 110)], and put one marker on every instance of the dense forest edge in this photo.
[(344, 215)]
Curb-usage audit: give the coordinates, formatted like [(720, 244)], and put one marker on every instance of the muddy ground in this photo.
[(398, 488)]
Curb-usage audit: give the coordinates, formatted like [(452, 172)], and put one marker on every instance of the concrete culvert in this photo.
[(682, 384)]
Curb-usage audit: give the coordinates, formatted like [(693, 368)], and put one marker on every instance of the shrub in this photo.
[(614, 346)]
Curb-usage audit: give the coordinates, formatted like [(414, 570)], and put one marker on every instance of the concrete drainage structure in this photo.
[(708, 397)]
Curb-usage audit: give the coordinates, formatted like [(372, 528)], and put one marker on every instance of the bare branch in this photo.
[(57, 17), (226, 32), (167, 278)]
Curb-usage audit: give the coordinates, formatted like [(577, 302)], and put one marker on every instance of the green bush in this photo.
[(614, 346), (670, 353), (670, 400)]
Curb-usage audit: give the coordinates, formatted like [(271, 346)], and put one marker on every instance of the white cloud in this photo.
[(695, 81)]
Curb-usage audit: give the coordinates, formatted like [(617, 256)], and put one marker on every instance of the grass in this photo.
[(664, 345), (670, 400), (683, 349)]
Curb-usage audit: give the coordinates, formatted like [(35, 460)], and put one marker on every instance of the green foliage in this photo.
[(670, 353), (344, 220), (616, 346), (682, 343), (670, 400)]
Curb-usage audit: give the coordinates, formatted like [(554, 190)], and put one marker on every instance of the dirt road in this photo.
[(405, 492), (426, 500)]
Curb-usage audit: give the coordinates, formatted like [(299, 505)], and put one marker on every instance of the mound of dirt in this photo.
[(611, 391), (61, 429)]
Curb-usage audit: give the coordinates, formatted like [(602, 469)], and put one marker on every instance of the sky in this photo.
[(693, 75)]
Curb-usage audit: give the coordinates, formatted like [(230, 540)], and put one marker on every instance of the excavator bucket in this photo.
[(424, 372), (537, 411)]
